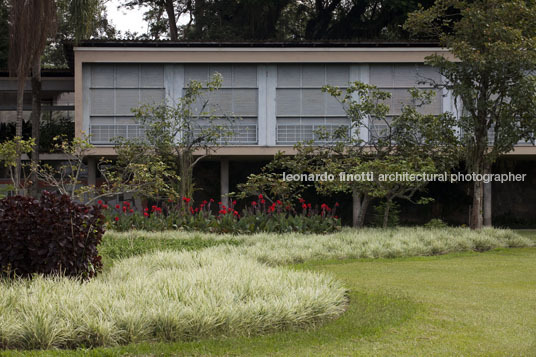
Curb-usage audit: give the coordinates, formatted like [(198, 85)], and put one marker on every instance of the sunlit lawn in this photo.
[(457, 304)]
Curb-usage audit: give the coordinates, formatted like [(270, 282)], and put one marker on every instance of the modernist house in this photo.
[(273, 87)]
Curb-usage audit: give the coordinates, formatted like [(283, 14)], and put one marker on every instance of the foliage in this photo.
[(436, 223), (166, 296), (65, 178), (77, 20), (276, 19), (175, 131), (412, 143), (379, 214), (492, 78), (51, 236), (260, 216), (9, 151)]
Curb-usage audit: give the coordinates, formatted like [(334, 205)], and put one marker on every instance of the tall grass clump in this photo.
[(165, 296), (377, 243), (276, 249)]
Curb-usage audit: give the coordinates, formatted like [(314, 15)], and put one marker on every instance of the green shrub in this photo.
[(435, 223), (394, 214), (53, 235)]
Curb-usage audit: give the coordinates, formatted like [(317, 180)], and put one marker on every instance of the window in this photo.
[(397, 79), (301, 107), (238, 97), (114, 90)]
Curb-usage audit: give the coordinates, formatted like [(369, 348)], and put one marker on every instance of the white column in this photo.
[(224, 180), (262, 120), (271, 122)]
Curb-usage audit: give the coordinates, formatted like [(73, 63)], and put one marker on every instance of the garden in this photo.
[(139, 265)]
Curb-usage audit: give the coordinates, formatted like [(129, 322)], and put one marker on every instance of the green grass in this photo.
[(461, 303), (467, 304)]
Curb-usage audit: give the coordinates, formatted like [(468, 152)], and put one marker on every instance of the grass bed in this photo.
[(165, 296), (279, 249)]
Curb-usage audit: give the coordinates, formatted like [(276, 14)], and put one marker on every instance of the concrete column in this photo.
[(224, 180), (92, 171)]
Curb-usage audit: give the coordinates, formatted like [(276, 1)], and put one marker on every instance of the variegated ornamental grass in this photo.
[(277, 249), (226, 289), (165, 296)]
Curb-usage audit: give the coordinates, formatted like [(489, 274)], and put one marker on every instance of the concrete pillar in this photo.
[(224, 180), (92, 171)]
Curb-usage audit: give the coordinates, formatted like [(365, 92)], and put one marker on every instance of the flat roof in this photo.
[(246, 44)]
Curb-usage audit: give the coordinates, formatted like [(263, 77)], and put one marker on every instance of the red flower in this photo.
[(131, 210), (99, 202), (336, 217), (117, 206), (220, 203), (253, 203), (234, 203), (304, 206), (222, 211), (211, 200), (279, 202), (124, 208), (146, 214), (308, 205), (105, 206), (170, 200), (301, 200), (229, 210), (260, 197), (186, 199), (287, 208), (263, 201), (126, 203), (336, 204), (116, 219), (204, 202), (146, 209)]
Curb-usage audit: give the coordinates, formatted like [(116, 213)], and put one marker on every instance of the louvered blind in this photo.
[(302, 108), (115, 89)]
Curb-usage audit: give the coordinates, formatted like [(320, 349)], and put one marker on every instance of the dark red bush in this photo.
[(52, 235)]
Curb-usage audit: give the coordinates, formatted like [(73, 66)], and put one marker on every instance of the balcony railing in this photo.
[(288, 134), (104, 134)]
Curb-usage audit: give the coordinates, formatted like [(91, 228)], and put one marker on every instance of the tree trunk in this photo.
[(488, 210), (360, 202), (173, 33), (18, 132), (364, 207), (386, 213), (476, 214), (36, 121)]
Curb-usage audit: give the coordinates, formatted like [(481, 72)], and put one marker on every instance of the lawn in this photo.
[(462, 303)]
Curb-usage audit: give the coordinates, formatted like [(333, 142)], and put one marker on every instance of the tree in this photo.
[(77, 20), (4, 33), (414, 143), (183, 133), (162, 15), (492, 76), (26, 44), (144, 178)]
